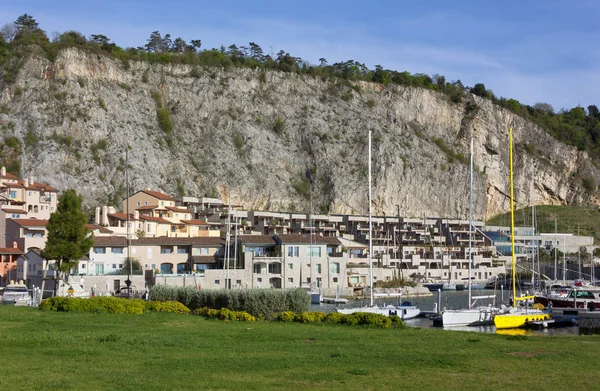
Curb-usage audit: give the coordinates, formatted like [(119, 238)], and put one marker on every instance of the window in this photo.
[(153, 266), (83, 265), (335, 279), (316, 251), (259, 279), (145, 203), (334, 268), (198, 251), (182, 250), (318, 268), (117, 250), (166, 249), (206, 251), (257, 268), (120, 265), (114, 265), (296, 251), (13, 194), (275, 268), (100, 250), (290, 266), (291, 280), (217, 282), (138, 204), (290, 251)]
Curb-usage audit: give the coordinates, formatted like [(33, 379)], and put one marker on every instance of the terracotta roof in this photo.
[(203, 259), (195, 222), (158, 195), (147, 207), (120, 216), (110, 241), (257, 239), (102, 229), (7, 210), (11, 250), (177, 209), (9, 176), (30, 222), (301, 238), (195, 241), (331, 240), (155, 219)]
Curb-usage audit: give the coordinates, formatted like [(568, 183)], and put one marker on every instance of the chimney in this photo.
[(15, 245), (3, 171), (26, 183), (105, 215), (31, 180), (111, 210), (97, 216)]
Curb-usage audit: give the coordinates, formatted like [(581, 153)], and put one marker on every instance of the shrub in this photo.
[(278, 125), (195, 72), (225, 314), (108, 304), (102, 104), (164, 119), (81, 81), (371, 103), (262, 303), (174, 307), (114, 305), (355, 319)]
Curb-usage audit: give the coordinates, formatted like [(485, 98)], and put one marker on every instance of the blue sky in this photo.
[(533, 51)]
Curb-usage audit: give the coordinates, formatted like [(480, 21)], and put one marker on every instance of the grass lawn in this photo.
[(48, 350)]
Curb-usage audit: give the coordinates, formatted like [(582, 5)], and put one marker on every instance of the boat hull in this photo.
[(517, 320), (404, 312), (468, 317)]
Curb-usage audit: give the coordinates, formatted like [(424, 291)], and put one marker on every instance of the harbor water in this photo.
[(452, 300)]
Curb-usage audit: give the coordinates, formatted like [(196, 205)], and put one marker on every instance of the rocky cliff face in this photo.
[(257, 136)]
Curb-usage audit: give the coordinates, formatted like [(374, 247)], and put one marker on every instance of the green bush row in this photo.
[(113, 305), (225, 314), (355, 319), (261, 303)]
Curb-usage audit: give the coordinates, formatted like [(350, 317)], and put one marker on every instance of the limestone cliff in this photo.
[(256, 136)]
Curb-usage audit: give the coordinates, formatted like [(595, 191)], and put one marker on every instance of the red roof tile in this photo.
[(31, 222), (195, 222), (158, 195), (301, 238), (257, 239)]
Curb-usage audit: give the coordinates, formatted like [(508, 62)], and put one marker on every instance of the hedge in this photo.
[(261, 303), (355, 319), (113, 305)]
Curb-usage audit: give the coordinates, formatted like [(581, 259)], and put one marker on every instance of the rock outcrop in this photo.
[(262, 137)]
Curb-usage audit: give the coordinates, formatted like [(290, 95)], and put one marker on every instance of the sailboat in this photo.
[(405, 310), (516, 317), (472, 316)]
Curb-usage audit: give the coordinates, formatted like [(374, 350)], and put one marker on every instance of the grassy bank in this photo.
[(49, 350), (569, 219)]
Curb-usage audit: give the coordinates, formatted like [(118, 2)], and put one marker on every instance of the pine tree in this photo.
[(68, 239), (26, 22)]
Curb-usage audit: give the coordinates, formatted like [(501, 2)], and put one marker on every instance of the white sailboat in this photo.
[(472, 316), (516, 316), (404, 311)]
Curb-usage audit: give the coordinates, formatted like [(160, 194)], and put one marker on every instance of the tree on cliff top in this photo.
[(68, 239)]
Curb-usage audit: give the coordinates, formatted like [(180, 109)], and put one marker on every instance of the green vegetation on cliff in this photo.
[(569, 219)]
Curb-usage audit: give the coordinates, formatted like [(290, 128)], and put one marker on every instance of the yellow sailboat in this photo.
[(516, 317)]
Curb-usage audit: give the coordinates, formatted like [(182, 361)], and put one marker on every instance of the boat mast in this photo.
[(129, 272), (512, 220), (555, 250), (532, 233), (370, 227), (470, 219)]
